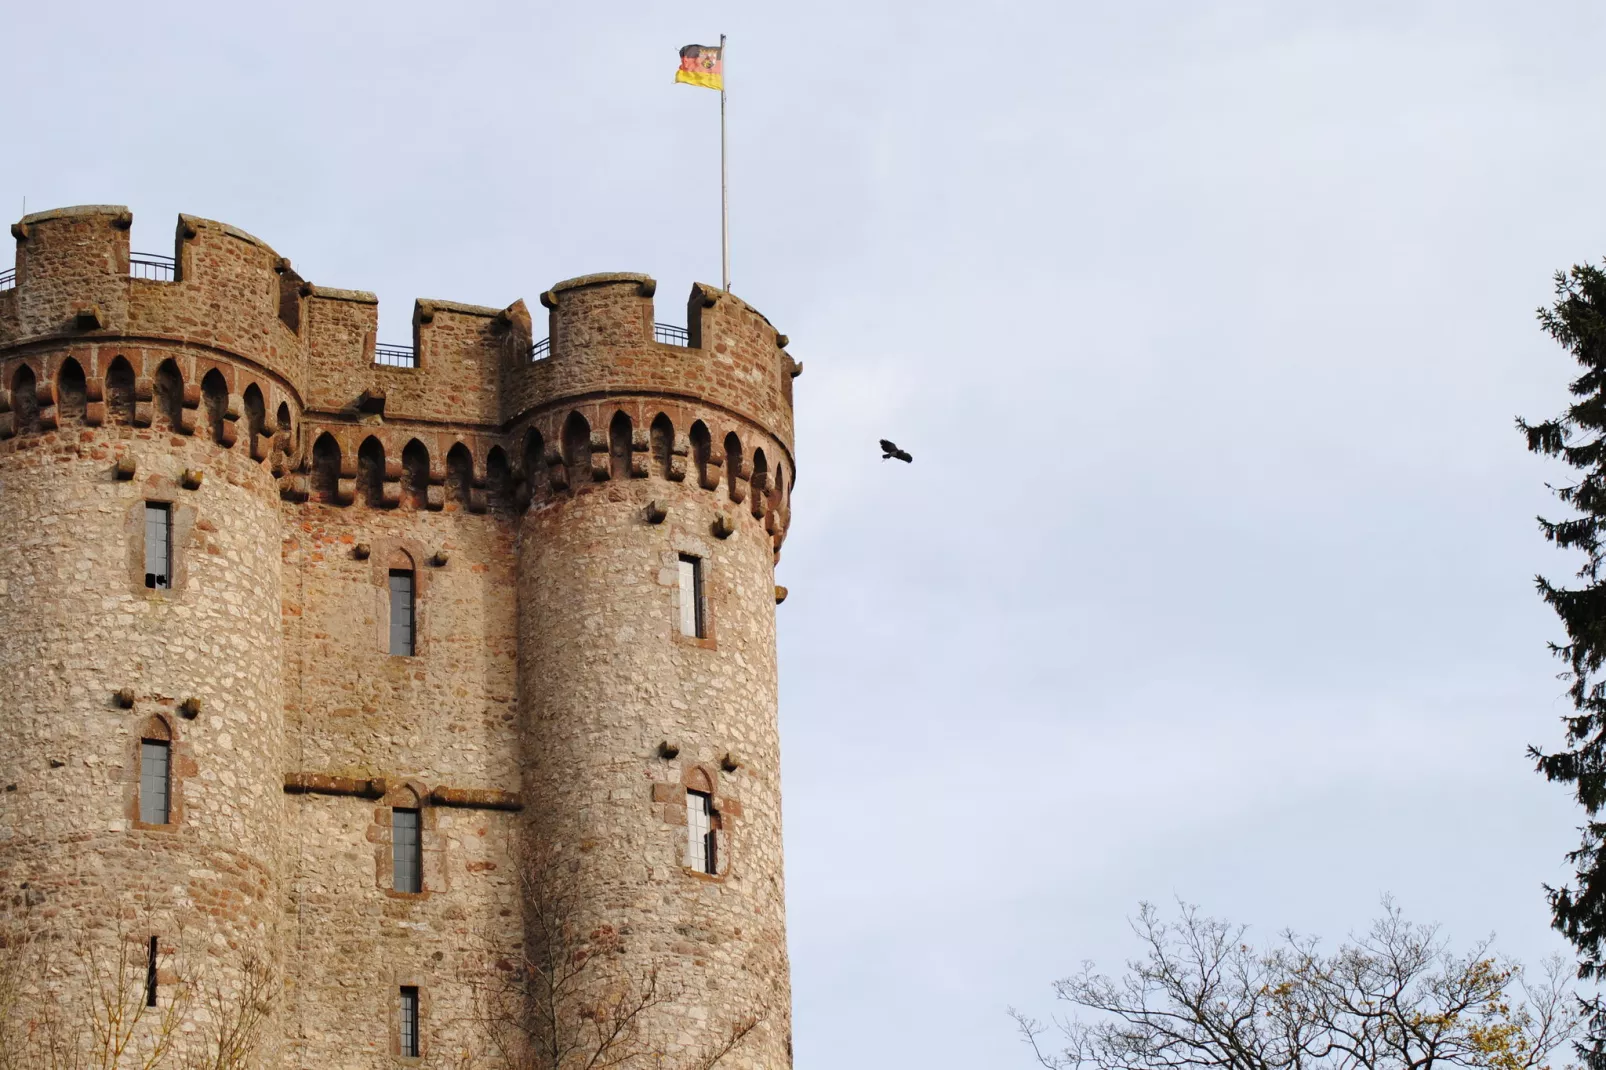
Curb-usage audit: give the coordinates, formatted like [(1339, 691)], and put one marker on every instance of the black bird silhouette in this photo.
[(889, 450)]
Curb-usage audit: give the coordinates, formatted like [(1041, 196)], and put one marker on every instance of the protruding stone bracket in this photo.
[(656, 511), (795, 369), (601, 466), (668, 750), (781, 340), (362, 551), (126, 466), (549, 299), (730, 762), (19, 231), (190, 708), (780, 594), (723, 527), (293, 487), (124, 697), (192, 478), (439, 558), (372, 401)]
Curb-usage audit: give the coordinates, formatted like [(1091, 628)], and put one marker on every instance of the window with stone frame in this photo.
[(702, 847), (407, 1025), (402, 612), (158, 545), (693, 616), (407, 850), (155, 782)]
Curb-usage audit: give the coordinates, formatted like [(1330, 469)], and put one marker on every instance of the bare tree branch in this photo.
[(1394, 999)]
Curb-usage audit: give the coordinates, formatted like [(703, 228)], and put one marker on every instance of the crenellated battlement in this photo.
[(232, 296), (484, 410)]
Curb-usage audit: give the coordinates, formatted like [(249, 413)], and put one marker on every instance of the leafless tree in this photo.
[(231, 1018), (572, 999), (78, 996), (1396, 998)]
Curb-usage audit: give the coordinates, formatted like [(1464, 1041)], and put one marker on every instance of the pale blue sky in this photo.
[(1206, 324)]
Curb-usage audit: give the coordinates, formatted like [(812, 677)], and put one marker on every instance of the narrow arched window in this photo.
[(155, 781), (701, 847), (71, 392), (498, 479), (407, 850), (577, 448), (215, 395), (120, 392), (256, 417), (402, 612), (619, 435), (371, 471), (733, 467), (169, 390), (459, 476), (325, 468), (535, 468), (24, 400), (702, 455), (415, 474), (663, 445)]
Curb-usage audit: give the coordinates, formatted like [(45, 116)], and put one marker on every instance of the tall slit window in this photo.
[(691, 597), (150, 976), (401, 612), (407, 1034), (155, 782), (407, 869), (700, 832), (158, 545)]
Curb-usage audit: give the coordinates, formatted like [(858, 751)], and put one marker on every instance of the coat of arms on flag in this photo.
[(702, 65)]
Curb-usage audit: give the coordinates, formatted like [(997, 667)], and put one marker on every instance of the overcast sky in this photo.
[(1205, 324)]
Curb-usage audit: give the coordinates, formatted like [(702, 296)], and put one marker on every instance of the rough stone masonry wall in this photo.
[(78, 625), (444, 718), (606, 678), (548, 667)]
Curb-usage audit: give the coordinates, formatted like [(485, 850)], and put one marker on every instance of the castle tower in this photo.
[(139, 607), (656, 465), (359, 666)]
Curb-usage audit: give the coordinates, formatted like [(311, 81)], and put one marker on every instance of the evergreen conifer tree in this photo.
[(1577, 320)]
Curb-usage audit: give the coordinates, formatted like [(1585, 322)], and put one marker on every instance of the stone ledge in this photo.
[(377, 787)]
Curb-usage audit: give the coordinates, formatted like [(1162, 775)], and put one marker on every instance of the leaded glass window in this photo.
[(407, 868)]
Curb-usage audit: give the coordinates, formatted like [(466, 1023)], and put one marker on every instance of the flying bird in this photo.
[(889, 450)]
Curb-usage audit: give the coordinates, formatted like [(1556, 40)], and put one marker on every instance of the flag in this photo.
[(702, 65)]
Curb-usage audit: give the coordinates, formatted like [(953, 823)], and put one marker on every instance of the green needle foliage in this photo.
[(1577, 320)]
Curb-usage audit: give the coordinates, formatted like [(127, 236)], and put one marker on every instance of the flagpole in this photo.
[(724, 187)]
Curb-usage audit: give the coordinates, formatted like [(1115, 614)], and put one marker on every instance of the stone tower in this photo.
[(368, 669)]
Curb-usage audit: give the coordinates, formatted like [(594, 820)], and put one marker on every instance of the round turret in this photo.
[(377, 683), (657, 465), (139, 607)]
